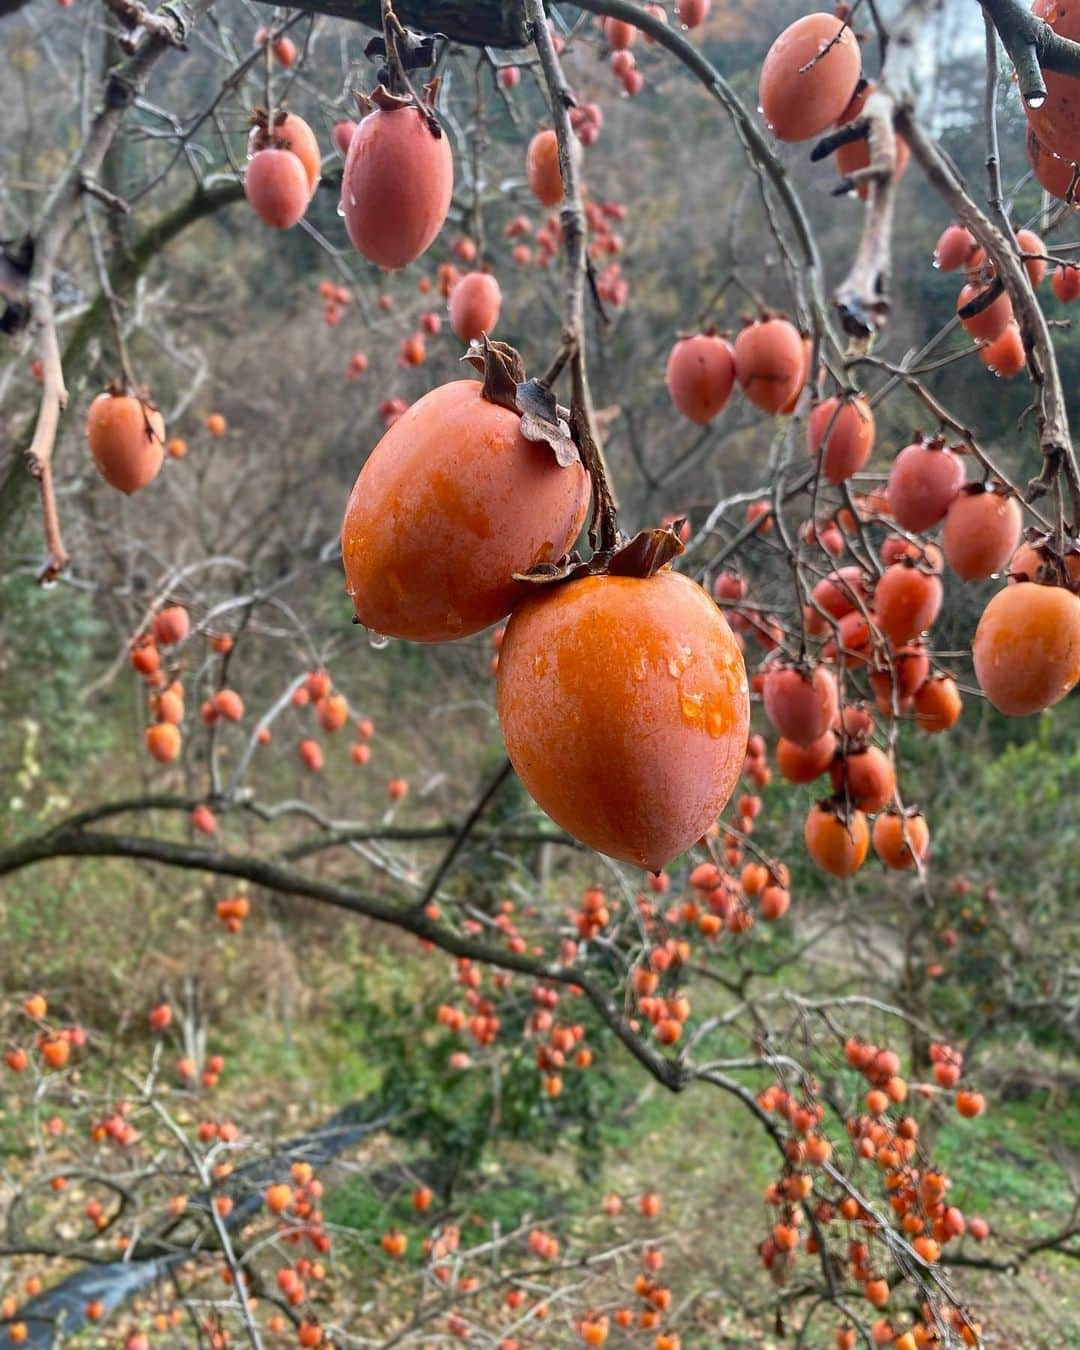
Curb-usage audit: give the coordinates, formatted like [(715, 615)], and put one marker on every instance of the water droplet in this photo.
[(341, 208), (377, 641), (352, 198), (1036, 101), (937, 265)]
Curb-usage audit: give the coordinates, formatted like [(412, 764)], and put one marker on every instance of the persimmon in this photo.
[(992, 317), (923, 482), (1005, 356), (769, 363), (954, 248), (982, 530), (700, 376), (277, 187), (228, 704), (55, 1051), (854, 156), (509, 77), (619, 35), (865, 776), (397, 789), (906, 602), (284, 49), (176, 447), (35, 1007), (970, 1104), (311, 755), (808, 77), (450, 505), (127, 440), (1056, 175), (1035, 265), (397, 184), (1065, 283), (341, 134), (803, 763), (690, 13), (938, 704), (1026, 648), (774, 903), (801, 703), (838, 843), (542, 168), (287, 131), (1038, 563), (842, 433), (910, 668), (170, 625), (163, 740), (216, 424), (17, 1060), (1056, 120), (332, 712), (474, 305), (837, 595), (889, 841), (625, 710)]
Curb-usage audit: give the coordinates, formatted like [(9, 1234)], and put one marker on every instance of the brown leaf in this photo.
[(502, 369), (540, 421), (647, 552)]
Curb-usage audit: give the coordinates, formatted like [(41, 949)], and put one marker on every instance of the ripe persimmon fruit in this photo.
[(127, 440), (865, 776), (803, 763), (890, 844), (981, 532), (277, 187), (475, 300), (836, 841), (801, 703), (906, 602), (397, 183), (1026, 648), (625, 710), (770, 364), (450, 505), (842, 432), (923, 482), (542, 168), (700, 376), (808, 77)]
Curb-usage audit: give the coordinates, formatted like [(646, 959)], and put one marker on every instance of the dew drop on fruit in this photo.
[(1036, 101), (377, 641)]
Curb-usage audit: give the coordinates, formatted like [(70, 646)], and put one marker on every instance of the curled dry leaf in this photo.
[(505, 384), (646, 554)]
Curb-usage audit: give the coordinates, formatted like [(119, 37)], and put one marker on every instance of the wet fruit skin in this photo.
[(127, 440), (625, 710), (798, 99), (449, 505), (906, 602), (982, 530), (1027, 647), (276, 185), (396, 186)]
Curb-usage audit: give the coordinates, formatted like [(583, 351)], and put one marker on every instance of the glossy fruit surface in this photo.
[(127, 440), (1027, 647), (625, 710), (396, 186), (451, 503), (808, 77)]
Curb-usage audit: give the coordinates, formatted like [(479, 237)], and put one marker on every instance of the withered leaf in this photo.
[(647, 552), (540, 421), (502, 369)]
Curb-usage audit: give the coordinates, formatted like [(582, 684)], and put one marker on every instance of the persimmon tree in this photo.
[(648, 685)]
